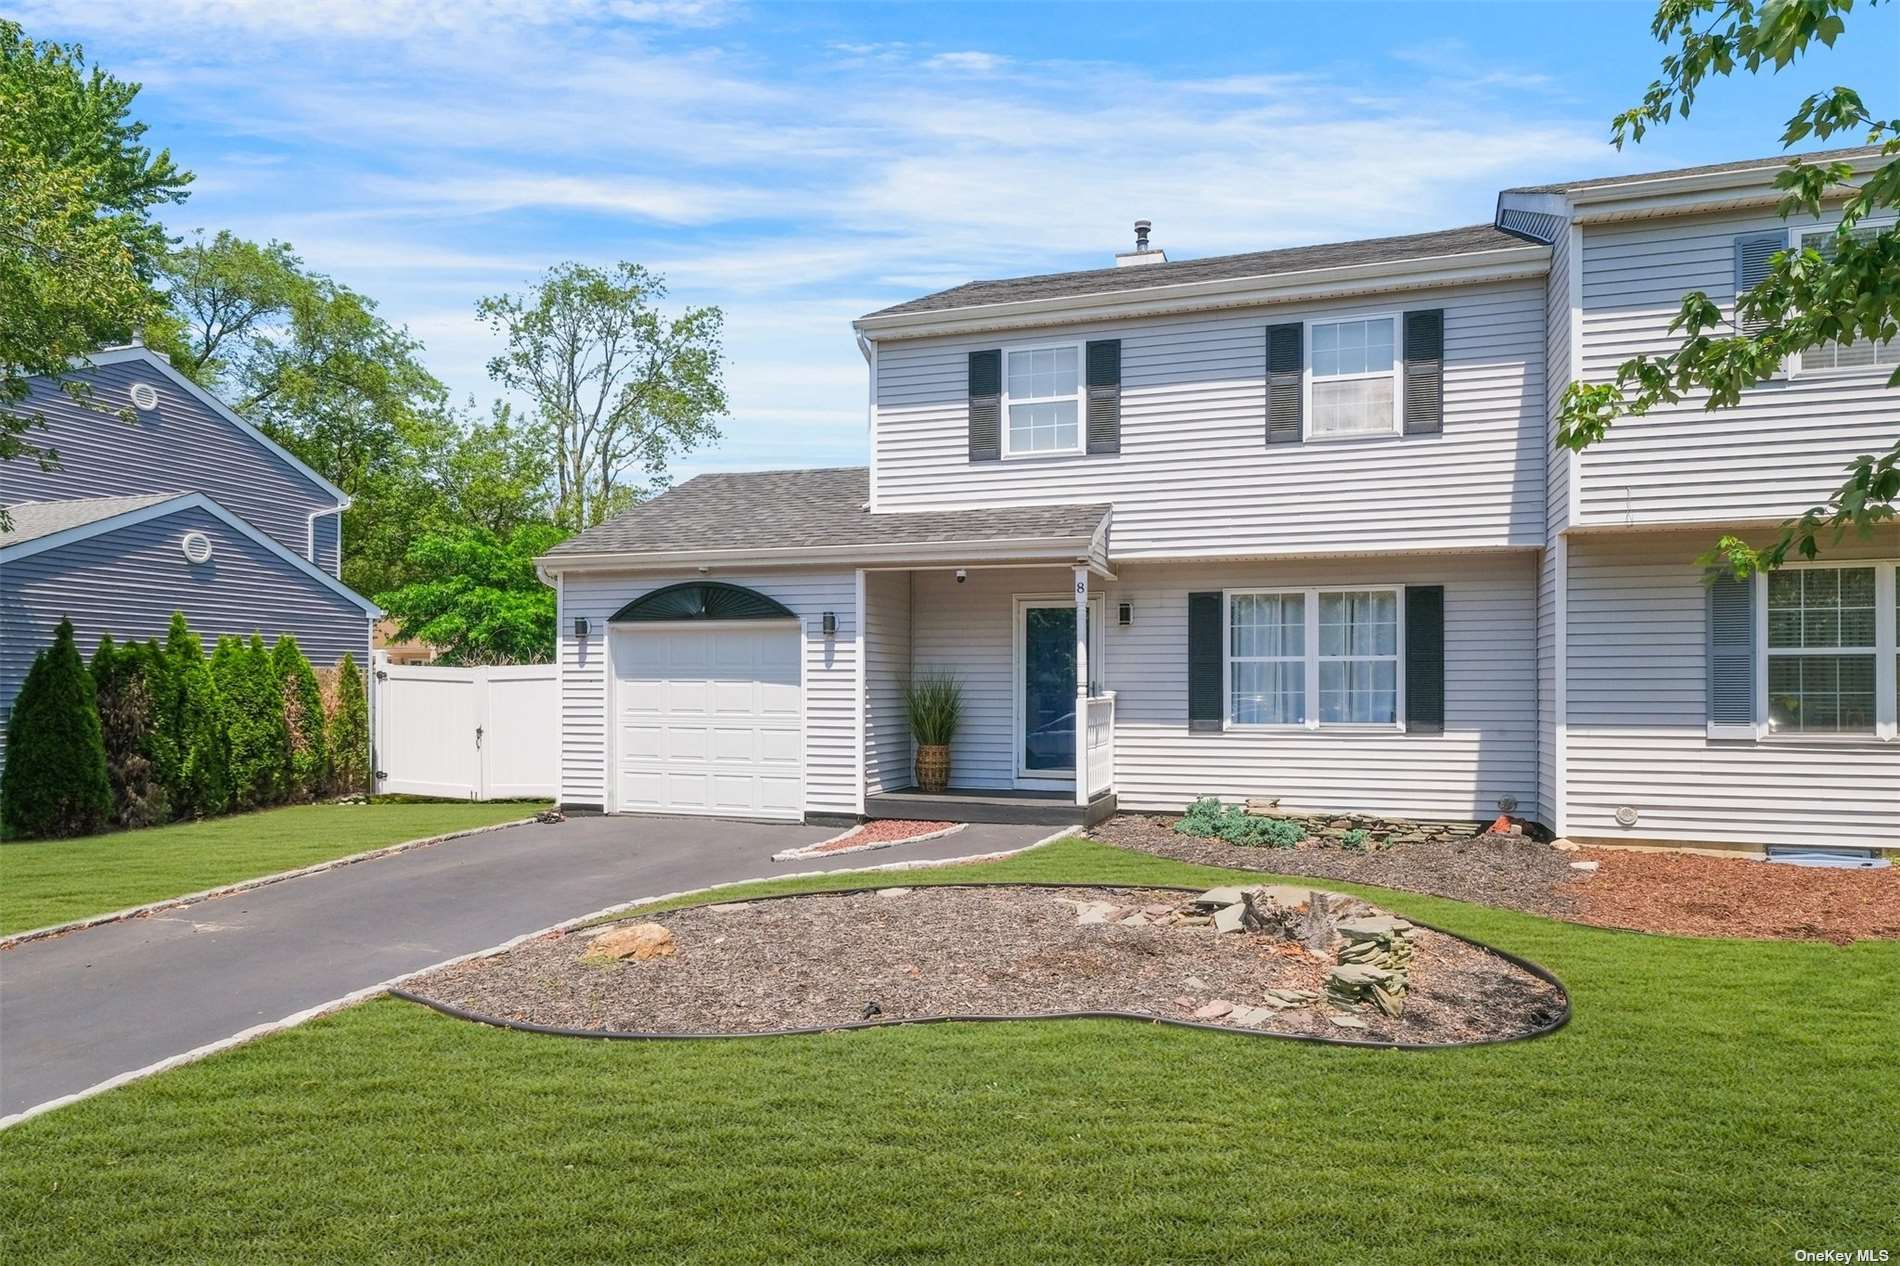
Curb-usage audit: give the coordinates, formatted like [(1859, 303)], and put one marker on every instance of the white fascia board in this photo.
[(1503, 264), (187, 501), (139, 352), (1052, 549), (1678, 195)]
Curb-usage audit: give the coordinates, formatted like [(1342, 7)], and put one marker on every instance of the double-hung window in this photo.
[(1042, 400), (1314, 657), (1823, 649), (1832, 357), (1352, 377)]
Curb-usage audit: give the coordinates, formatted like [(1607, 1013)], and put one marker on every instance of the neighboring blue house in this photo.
[(188, 507)]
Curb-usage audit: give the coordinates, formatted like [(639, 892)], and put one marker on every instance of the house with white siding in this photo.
[(162, 499), (1288, 525)]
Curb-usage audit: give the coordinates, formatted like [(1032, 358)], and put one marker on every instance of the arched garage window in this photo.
[(702, 600)]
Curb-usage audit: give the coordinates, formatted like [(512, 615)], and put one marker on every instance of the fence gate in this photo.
[(467, 733)]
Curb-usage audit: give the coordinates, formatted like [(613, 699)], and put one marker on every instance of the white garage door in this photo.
[(707, 721)]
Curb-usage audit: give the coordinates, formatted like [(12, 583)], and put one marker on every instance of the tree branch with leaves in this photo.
[(1847, 292)]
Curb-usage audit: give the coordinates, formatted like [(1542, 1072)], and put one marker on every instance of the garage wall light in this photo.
[(580, 627), (831, 624)]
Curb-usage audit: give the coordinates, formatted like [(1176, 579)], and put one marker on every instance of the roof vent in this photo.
[(1143, 253)]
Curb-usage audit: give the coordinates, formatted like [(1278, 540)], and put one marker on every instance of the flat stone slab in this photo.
[(1373, 927), (1217, 897), (1231, 919)]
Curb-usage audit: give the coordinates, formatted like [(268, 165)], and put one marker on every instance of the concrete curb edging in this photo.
[(809, 851), (368, 992), (1317, 1039), (245, 885)]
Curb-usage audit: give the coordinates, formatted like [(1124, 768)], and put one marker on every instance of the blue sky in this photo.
[(800, 165)]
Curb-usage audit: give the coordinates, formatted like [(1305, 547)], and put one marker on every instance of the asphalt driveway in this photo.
[(79, 1009)]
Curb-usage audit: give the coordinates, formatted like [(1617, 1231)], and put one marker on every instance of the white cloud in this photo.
[(430, 153)]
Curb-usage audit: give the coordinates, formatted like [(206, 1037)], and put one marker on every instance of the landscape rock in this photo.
[(893, 892), (1348, 1022), (639, 941), (1585, 866), (1216, 898), (1231, 919), (1089, 912), (1214, 1010)]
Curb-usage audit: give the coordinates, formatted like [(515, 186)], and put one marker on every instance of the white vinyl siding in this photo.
[(1781, 450), (1194, 474), (887, 750), (832, 779), (1637, 722), (1488, 748)]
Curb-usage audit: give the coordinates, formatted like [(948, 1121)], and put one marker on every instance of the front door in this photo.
[(1045, 687)]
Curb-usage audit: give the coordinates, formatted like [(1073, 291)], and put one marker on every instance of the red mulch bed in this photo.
[(1689, 894), (883, 831)]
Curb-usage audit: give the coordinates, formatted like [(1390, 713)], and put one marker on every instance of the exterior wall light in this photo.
[(831, 624), (1125, 614), (580, 627)]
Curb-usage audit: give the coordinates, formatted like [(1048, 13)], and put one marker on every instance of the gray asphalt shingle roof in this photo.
[(34, 519), (787, 509), (1375, 250), (1746, 164)]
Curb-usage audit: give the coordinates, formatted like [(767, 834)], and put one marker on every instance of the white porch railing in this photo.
[(1098, 749)]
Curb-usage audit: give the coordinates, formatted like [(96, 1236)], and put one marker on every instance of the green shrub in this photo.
[(55, 781), (1209, 818), (349, 731), (253, 719), (934, 704), (1355, 839), (124, 680), (307, 763), (193, 764)]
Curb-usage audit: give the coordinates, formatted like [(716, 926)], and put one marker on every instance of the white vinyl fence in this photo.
[(466, 733)]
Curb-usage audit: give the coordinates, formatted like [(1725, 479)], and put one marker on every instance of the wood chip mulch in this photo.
[(820, 959), (1682, 894), (881, 831), (1690, 894)]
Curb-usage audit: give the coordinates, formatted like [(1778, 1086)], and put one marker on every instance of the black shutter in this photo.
[(1284, 364), (1425, 659), (1204, 661), (1105, 396), (1731, 654), (1425, 372), (986, 406), (1754, 252)]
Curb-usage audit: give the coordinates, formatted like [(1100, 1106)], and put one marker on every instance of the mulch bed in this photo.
[(1512, 871), (819, 959), (1684, 894), (880, 831), (1691, 894)]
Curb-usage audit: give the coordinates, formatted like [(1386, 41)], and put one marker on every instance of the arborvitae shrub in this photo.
[(349, 730), (123, 680), (307, 766), (194, 765), (55, 780), (253, 719)]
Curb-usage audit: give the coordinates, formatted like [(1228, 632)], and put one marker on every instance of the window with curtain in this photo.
[(1359, 657), (1822, 650), (1354, 377), (1267, 658)]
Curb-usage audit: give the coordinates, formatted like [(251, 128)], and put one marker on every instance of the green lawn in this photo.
[(51, 881), (1711, 1101)]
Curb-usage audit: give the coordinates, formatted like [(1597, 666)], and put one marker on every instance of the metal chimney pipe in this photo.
[(1141, 234)]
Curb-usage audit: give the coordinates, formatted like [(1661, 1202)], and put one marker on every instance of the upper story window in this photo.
[(1834, 357), (1353, 377), (1042, 398), (1339, 648)]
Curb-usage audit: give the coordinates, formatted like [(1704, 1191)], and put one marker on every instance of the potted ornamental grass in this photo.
[(934, 703)]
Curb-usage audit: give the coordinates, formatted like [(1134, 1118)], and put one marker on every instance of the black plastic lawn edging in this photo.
[(553, 1030)]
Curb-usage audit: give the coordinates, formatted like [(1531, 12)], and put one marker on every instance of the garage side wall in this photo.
[(831, 685), (887, 759)]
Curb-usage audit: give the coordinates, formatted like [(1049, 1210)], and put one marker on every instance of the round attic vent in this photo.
[(197, 547), (145, 396), (1626, 816)]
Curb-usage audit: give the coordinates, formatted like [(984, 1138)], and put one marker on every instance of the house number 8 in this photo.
[(1081, 588)]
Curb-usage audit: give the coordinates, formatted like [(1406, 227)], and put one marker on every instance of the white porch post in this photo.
[(1082, 685)]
